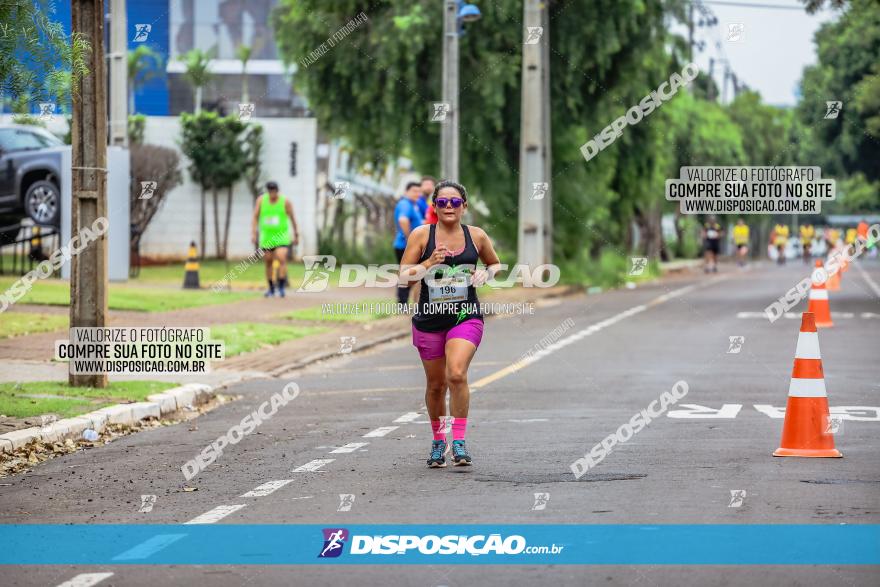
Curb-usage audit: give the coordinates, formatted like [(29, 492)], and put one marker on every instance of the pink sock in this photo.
[(459, 427), (437, 429)]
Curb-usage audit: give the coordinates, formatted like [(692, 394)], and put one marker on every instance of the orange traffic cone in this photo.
[(818, 304), (833, 282), (805, 432)]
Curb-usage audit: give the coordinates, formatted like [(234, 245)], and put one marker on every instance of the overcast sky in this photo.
[(774, 48)]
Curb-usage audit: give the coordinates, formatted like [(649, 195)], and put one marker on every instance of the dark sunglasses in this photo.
[(442, 202)]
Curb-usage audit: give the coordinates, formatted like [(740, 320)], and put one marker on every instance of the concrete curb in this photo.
[(158, 404)]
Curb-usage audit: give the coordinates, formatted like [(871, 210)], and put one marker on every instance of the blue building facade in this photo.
[(153, 96)]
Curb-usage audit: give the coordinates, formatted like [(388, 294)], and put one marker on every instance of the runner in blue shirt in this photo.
[(407, 216)]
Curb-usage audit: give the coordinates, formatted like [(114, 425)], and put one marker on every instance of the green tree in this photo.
[(198, 74), (144, 64), (35, 53), (848, 53), (243, 52), (252, 148), (695, 133), (603, 57), (764, 129), (213, 146)]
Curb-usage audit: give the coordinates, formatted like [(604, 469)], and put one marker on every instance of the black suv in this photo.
[(30, 173)]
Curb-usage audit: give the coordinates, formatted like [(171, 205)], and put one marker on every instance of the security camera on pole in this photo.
[(455, 13)]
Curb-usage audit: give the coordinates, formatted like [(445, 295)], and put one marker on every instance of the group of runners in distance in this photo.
[(712, 233)]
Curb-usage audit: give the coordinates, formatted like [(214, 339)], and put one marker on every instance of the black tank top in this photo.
[(427, 317)]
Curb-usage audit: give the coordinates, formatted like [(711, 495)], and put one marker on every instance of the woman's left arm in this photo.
[(487, 255)]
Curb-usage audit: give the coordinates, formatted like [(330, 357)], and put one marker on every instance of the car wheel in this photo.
[(42, 203)]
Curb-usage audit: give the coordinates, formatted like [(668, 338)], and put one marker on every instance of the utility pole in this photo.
[(726, 75), (449, 127), (88, 274), (534, 241), (118, 74), (691, 32), (545, 110), (711, 86)]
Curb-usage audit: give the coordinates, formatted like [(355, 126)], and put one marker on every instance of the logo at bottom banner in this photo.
[(335, 539)]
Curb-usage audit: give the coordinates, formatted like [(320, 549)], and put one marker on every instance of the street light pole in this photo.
[(449, 129), (118, 74), (535, 231)]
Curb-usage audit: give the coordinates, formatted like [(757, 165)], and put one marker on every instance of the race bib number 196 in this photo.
[(448, 289)]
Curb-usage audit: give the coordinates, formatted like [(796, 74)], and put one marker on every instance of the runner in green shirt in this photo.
[(273, 217)]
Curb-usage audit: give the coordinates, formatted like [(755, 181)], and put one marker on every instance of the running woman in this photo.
[(807, 233), (711, 244), (448, 326), (741, 240), (273, 216), (780, 232)]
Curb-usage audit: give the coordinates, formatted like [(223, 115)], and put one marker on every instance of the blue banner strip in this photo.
[(562, 544)]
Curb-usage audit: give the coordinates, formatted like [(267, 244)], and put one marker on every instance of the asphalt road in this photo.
[(526, 427)]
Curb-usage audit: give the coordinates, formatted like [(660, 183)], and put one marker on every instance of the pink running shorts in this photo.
[(432, 345)]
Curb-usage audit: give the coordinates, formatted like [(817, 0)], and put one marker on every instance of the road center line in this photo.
[(350, 447), (85, 580), (313, 466), (216, 514), (148, 547), (266, 488), (592, 329), (381, 431)]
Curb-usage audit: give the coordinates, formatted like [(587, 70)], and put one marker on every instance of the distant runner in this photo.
[(779, 241), (428, 183), (270, 230), (711, 244), (807, 234), (448, 325), (832, 236), (407, 217), (741, 240)]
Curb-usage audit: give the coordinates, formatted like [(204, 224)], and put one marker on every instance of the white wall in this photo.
[(177, 221)]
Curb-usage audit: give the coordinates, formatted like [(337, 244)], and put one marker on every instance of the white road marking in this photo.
[(852, 413), (592, 329), (408, 417), (266, 488), (216, 514), (85, 580), (871, 283), (381, 431), (693, 411), (313, 466), (350, 447), (148, 547), (797, 315)]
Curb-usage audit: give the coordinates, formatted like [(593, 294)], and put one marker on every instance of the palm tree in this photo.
[(198, 73), (244, 55), (144, 64)]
